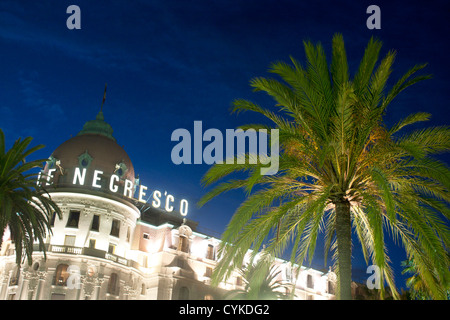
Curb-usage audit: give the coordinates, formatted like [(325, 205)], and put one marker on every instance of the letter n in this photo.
[(79, 176)]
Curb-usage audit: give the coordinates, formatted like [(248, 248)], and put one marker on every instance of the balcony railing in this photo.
[(66, 249), (85, 251)]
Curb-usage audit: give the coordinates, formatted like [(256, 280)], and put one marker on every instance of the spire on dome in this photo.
[(103, 101), (99, 125)]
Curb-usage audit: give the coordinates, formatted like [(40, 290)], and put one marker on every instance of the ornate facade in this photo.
[(110, 246)]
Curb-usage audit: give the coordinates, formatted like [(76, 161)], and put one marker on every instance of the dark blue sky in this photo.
[(169, 63)]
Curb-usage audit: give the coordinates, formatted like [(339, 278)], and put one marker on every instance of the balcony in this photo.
[(66, 249), (85, 251)]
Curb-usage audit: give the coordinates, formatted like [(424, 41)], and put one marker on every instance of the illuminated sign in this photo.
[(157, 200)]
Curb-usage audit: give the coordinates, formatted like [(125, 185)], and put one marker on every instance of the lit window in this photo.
[(61, 275), (111, 248)]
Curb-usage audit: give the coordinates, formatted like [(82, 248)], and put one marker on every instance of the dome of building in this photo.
[(96, 150)]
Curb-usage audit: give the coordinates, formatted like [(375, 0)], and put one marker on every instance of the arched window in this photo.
[(183, 294), (61, 275), (113, 284)]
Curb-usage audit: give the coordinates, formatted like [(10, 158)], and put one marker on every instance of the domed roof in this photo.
[(93, 149)]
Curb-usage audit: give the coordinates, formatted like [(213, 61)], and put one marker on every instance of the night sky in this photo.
[(170, 63)]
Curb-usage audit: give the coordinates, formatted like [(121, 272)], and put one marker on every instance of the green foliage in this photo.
[(335, 148), (260, 281), (24, 207), (418, 289)]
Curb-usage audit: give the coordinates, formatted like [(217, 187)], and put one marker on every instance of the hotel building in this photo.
[(109, 245)]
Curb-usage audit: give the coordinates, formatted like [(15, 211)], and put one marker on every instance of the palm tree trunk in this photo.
[(344, 247)]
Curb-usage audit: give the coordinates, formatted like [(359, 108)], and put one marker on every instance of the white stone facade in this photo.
[(117, 255), (105, 248)]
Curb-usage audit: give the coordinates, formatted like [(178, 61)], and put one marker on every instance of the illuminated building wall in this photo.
[(109, 245)]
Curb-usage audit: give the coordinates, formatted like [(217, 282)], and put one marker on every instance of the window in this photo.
[(35, 266), (92, 243), (183, 244), (74, 217), (143, 289), (52, 220), (208, 272), (111, 248), (210, 252), (69, 241), (14, 280), (330, 287), (128, 234), (121, 169), (115, 228), (85, 160), (239, 281), (61, 275), (113, 284), (309, 282), (146, 236), (95, 223)]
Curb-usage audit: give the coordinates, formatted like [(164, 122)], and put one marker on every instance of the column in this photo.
[(41, 279)]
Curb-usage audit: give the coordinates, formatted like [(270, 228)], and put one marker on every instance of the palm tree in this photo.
[(260, 281), (25, 208), (416, 285), (418, 288), (340, 168)]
